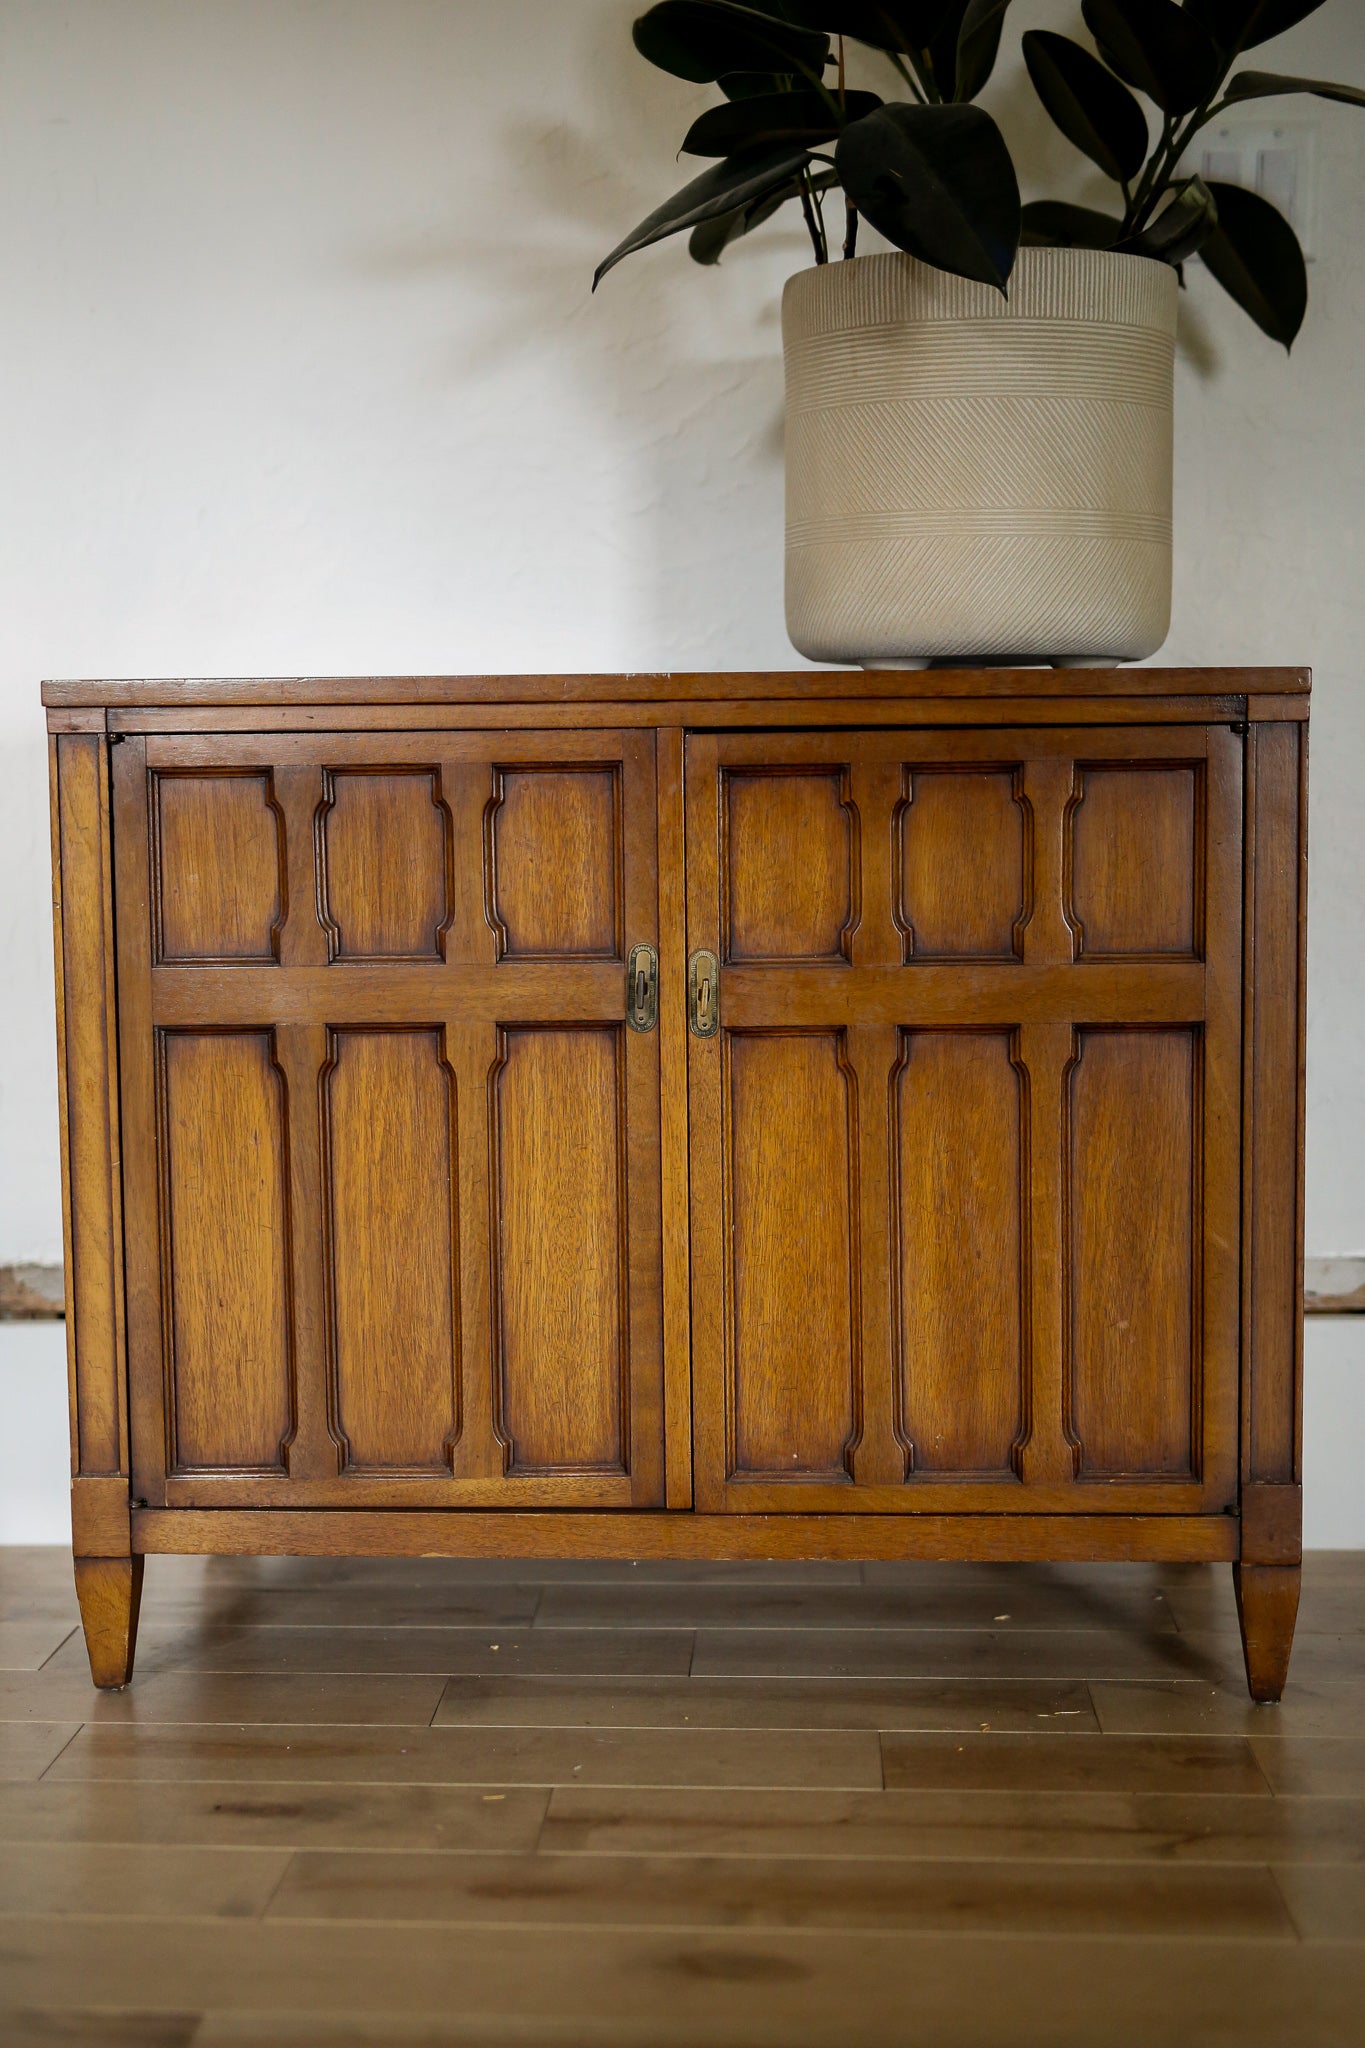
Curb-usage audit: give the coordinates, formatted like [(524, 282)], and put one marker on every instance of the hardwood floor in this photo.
[(347, 1804)]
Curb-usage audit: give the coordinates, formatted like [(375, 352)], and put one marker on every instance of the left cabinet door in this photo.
[(392, 1204)]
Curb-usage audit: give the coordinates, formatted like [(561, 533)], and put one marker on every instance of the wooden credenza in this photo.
[(819, 1115)]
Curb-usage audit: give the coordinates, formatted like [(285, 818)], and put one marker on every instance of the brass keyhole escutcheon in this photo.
[(642, 988), (703, 994)]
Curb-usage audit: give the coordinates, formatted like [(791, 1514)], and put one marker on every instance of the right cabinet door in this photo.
[(965, 1148)]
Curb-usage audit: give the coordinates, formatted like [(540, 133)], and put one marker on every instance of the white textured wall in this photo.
[(299, 371)]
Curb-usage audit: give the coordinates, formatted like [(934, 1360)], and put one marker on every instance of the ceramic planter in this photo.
[(973, 478)]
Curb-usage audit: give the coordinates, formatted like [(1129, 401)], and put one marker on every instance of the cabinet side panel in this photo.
[(224, 1182), (959, 1222), (390, 1154), (561, 1265), (1132, 1207), (83, 912), (793, 1370), (1274, 1038)]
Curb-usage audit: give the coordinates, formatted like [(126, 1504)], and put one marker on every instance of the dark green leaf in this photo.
[(1053, 224), (777, 117), (1088, 104), (709, 241), (1182, 227), (753, 85), (1255, 255), (939, 183), (978, 45), (1158, 48), (739, 181), (1269, 85), (703, 39), (943, 46), (1240, 24)]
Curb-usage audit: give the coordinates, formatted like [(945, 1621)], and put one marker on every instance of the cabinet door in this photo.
[(965, 1156), (392, 1173)]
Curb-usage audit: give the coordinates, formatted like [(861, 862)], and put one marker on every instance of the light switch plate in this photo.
[(1278, 159)]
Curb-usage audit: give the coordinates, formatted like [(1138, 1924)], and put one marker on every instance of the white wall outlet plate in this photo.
[(1278, 159)]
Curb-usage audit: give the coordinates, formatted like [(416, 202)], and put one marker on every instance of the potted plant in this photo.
[(980, 425)]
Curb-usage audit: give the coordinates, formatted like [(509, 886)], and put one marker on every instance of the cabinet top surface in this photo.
[(665, 689)]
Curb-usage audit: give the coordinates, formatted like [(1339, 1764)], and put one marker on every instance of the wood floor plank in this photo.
[(195, 1697), (1313, 1767), (1028, 1604), (470, 1756), (1056, 1899), (1089, 1763), (1308, 1708), (1327, 1606), (133, 1879), (1322, 1659), (753, 1703), (1166, 1827), (1325, 1905), (1077, 1654), (229, 1814), (402, 1651), (28, 1747), (27, 1645), (72, 2028), (745, 1988)]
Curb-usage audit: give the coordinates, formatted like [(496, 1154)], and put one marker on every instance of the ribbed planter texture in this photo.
[(975, 478)]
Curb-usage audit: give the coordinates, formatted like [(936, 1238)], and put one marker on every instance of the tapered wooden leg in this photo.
[(110, 1592), (1267, 1606)]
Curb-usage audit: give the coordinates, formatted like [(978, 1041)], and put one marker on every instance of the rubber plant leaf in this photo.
[(701, 40), (1269, 85), (1255, 255), (1056, 224), (1088, 104), (792, 117), (1182, 227), (737, 182), (1237, 25), (708, 242), (754, 85), (938, 182), (1157, 47), (978, 45)]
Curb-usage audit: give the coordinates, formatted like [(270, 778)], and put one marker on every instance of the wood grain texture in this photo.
[(391, 1142), (965, 864), (223, 1147), (960, 1226), (1134, 881), (110, 1592), (789, 865), (554, 862), (384, 859), (218, 858)]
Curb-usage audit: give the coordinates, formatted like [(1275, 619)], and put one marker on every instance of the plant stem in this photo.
[(906, 75), (808, 209), (850, 230)]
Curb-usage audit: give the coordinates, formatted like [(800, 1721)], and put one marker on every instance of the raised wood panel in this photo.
[(559, 1190), (225, 1250), (964, 864), (1133, 1254), (959, 1219), (555, 862), (790, 1203), (385, 857), (789, 853), (390, 1147), (1135, 883), (218, 857)]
